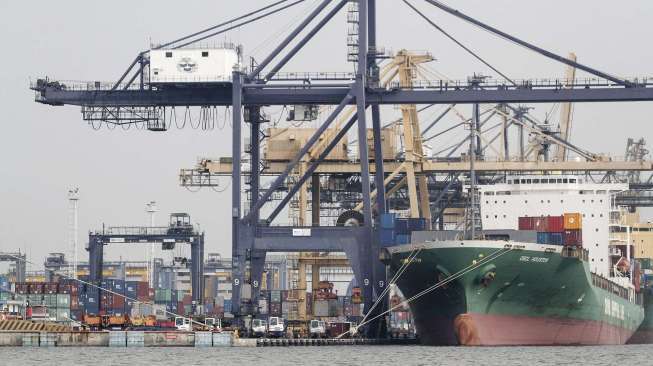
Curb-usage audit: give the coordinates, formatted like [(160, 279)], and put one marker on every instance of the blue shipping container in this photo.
[(401, 226), (4, 284), (387, 237), (416, 224), (403, 239), (556, 239), (543, 238), (387, 221)]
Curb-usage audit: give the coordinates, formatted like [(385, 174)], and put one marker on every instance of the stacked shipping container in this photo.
[(555, 230)]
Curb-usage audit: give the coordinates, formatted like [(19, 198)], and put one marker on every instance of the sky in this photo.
[(44, 151)]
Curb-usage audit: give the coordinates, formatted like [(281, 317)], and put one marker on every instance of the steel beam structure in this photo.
[(217, 95), (21, 263), (451, 166), (148, 235)]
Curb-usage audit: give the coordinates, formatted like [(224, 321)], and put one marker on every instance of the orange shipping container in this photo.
[(573, 221)]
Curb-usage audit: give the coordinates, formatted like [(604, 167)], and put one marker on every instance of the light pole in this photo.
[(151, 209)]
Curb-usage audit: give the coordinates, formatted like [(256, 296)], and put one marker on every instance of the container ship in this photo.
[(548, 269)]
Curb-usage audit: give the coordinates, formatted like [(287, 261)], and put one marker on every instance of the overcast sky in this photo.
[(45, 150)]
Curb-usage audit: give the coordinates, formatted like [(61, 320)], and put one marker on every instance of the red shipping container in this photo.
[(541, 224), (36, 288), (526, 223), (74, 303), (572, 237), (118, 302), (142, 290), (22, 288), (51, 288), (555, 224), (188, 300)]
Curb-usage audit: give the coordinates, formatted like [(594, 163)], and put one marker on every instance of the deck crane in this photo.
[(265, 86)]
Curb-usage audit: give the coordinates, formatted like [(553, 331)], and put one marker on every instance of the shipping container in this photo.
[(401, 227), (325, 308), (541, 224), (143, 291), (402, 239), (22, 288), (50, 300), (543, 238), (51, 288), (263, 306), (162, 296), (526, 223), (275, 308), (417, 224), (387, 221), (275, 296), (219, 301), (555, 224), (573, 221), (387, 237), (573, 237), (556, 238), (5, 296), (36, 288), (62, 314), (227, 305), (63, 300), (118, 302)]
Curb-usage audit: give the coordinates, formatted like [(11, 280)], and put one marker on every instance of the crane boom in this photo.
[(565, 112)]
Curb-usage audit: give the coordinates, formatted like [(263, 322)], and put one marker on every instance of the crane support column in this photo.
[(239, 252)]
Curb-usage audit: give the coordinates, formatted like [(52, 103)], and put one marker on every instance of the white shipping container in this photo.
[(192, 65)]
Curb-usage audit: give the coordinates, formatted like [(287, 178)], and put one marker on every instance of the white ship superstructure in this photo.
[(552, 195)]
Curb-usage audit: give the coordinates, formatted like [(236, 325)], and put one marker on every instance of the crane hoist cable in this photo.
[(222, 24), (529, 46), (268, 42), (493, 256), (446, 34), (211, 35)]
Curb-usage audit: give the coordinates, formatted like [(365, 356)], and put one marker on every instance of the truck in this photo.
[(276, 327), (317, 329), (259, 328)]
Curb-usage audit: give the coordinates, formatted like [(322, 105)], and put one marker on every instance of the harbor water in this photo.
[(333, 356)]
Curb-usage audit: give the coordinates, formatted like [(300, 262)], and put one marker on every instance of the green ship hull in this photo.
[(512, 294), (644, 334)]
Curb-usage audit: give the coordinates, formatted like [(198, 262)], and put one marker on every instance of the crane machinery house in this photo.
[(205, 65)]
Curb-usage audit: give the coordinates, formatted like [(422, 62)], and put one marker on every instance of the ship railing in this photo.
[(574, 252), (607, 285)]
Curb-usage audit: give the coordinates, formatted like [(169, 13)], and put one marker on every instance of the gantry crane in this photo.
[(262, 85)]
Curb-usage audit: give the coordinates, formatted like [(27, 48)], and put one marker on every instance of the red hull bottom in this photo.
[(503, 330)]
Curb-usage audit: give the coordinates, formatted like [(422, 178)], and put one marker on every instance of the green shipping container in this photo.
[(163, 296), (63, 301), (50, 300)]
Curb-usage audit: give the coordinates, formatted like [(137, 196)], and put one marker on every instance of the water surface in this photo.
[(342, 355)]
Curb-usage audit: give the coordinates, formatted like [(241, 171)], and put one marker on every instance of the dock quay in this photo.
[(172, 339)]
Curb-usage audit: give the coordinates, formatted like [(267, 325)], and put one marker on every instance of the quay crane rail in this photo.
[(250, 91)]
